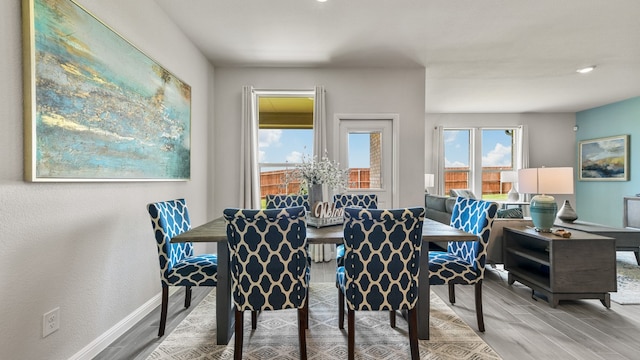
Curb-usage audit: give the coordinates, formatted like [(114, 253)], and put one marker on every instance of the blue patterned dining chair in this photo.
[(178, 265), (366, 201), (381, 267), (269, 265), (285, 201), (464, 261)]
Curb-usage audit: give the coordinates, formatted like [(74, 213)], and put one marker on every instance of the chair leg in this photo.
[(392, 318), (163, 310), (306, 312), (413, 334), (237, 350), (452, 293), (351, 336), (340, 309), (478, 294), (302, 335), (254, 319), (187, 297)]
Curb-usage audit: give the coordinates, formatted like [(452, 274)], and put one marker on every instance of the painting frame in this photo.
[(97, 108), (604, 159)]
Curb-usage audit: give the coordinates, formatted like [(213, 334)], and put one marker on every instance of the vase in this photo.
[(315, 196), (513, 195), (543, 210), (566, 213)]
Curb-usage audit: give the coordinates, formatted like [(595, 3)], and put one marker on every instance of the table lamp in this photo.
[(544, 181), (428, 182), (510, 177)]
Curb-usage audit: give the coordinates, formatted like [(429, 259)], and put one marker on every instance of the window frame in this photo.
[(476, 171), (257, 94)]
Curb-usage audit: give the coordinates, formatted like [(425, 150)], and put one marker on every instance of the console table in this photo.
[(627, 239), (580, 267)]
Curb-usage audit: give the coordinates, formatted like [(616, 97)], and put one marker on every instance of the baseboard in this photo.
[(99, 344)]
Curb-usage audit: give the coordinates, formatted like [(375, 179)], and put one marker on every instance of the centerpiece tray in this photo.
[(322, 222)]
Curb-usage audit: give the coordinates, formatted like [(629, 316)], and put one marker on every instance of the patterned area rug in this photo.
[(628, 279), (276, 336)]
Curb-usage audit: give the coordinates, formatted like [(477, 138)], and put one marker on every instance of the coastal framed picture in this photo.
[(96, 107), (604, 159)]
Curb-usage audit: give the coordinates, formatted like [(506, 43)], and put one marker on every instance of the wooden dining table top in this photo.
[(216, 231)]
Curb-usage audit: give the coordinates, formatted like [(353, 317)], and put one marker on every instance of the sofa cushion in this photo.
[(449, 203), (465, 193), (514, 213), (435, 202)]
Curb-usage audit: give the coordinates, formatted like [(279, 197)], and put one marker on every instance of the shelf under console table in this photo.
[(580, 267)]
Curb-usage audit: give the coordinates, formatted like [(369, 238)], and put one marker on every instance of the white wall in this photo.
[(348, 90), (87, 248), (552, 140)]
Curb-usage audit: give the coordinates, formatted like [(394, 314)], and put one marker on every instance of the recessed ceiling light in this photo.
[(587, 69), (322, 0)]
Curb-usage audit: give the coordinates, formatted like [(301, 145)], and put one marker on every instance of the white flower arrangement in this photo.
[(312, 172)]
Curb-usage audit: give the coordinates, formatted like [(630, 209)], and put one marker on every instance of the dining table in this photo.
[(216, 231)]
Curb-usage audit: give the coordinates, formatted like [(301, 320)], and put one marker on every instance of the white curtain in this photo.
[(522, 151), (438, 159), (522, 144), (249, 172), (320, 252)]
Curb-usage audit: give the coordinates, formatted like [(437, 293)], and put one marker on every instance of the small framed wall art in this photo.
[(604, 159)]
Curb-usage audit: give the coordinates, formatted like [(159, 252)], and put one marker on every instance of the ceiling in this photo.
[(480, 56)]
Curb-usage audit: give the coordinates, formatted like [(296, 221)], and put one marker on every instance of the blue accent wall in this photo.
[(602, 201)]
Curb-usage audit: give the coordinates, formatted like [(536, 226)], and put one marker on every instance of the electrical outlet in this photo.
[(50, 322)]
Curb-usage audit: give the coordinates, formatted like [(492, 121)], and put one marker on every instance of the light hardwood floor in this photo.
[(517, 326)]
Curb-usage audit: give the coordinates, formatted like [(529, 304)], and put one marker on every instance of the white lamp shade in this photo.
[(555, 180), (429, 180), (528, 181)]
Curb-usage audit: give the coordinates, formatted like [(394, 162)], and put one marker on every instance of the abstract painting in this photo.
[(96, 107), (605, 159)]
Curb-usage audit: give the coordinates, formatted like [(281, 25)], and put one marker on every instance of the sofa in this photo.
[(439, 208)]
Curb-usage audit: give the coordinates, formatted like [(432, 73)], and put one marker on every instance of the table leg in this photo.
[(224, 308), (424, 293)]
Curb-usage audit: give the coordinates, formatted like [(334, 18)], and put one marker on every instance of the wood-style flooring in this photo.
[(517, 326)]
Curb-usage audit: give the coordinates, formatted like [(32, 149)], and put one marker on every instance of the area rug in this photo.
[(628, 279), (276, 336)]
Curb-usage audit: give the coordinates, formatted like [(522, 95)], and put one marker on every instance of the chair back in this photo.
[(382, 257), (366, 201), (475, 217), (169, 219), (268, 257), (285, 201)]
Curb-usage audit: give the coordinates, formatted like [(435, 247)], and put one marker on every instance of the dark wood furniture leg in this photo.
[(413, 334), (237, 349), (478, 294), (452, 293), (424, 292), (163, 310), (224, 306), (302, 338), (351, 336), (187, 296), (340, 310)]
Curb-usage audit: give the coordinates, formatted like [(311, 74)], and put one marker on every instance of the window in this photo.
[(285, 134), (457, 159), (365, 160), (475, 157)]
